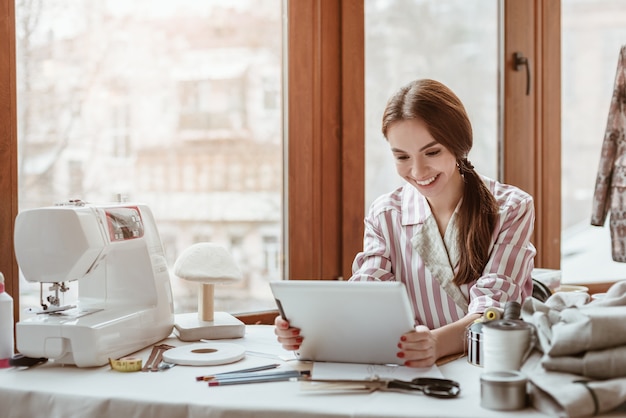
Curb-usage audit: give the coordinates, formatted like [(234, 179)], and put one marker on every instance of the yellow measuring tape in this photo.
[(126, 364)]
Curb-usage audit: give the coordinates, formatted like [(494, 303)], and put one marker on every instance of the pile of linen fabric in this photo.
[(579, 366)]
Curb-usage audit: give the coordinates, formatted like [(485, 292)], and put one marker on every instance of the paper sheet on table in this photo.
[(350, 371)]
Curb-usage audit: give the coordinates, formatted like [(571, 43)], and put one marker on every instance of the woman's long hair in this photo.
[(447, 121)]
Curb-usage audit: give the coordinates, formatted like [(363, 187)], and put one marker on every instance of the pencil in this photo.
[(260, 378), (251, 369)]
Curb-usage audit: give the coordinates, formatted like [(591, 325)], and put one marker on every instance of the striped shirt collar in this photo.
[(415, 207)]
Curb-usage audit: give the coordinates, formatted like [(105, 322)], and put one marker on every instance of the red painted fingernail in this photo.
[(403, 338), (399, 345), (401, 354), (295, 332)]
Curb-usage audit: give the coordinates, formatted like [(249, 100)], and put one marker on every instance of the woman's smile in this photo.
[(427, 181)]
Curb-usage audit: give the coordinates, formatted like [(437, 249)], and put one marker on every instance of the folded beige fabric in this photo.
[(566, 395), (566, 325), (580, 341), (599, 364)]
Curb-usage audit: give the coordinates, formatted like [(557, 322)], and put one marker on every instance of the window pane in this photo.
[(176, 104), (593, 33), (452, 41)]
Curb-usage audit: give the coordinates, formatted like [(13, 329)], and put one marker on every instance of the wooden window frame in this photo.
[(531, 127), (8, 150), (326, 137), (325, 156)]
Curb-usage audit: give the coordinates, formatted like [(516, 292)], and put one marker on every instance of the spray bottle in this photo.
[(6, 326)]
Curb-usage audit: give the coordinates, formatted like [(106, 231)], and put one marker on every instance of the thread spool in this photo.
[(506, 344), (492, 314), (512, 310)]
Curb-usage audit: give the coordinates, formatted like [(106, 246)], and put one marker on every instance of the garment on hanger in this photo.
[(610, 190)]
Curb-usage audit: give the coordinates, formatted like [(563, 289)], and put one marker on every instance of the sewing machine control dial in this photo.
[(124, 223)]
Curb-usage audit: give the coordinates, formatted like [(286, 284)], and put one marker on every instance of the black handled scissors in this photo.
[(430, 386), (438, 388)]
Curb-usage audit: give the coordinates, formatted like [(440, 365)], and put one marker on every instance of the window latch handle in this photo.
[(521, 61)]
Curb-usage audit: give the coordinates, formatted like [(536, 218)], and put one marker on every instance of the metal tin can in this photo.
[(503, 390), (474, 344)]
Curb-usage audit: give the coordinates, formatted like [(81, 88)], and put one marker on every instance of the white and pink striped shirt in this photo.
[(390, 253)]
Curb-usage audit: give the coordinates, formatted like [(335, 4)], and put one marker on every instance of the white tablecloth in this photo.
[(52, 390)]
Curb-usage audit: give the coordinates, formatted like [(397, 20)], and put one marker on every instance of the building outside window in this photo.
[(174, 104)]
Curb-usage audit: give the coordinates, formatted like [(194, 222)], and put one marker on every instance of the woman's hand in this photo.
[(289, 337), (418, 348), (423, 347)]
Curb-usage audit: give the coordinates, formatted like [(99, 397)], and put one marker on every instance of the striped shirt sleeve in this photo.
[(507, 275)]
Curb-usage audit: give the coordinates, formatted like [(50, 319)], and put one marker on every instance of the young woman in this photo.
[(459, 241)]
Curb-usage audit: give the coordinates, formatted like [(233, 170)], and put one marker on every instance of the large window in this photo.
[(173, 104), (455, 42), (593, 33), (323, 168)]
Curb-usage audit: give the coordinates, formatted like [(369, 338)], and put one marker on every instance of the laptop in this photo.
[(346, 322)]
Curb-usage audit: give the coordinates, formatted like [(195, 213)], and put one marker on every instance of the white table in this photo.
[(52, 390)]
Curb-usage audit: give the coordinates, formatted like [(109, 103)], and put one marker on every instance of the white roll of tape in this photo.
[(205, 354)]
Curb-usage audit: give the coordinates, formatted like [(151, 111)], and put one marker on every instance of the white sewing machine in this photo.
[(124, 299)]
